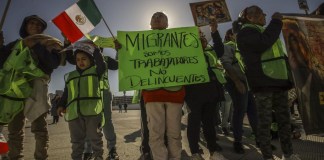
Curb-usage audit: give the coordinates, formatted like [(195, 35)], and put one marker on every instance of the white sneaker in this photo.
[(196, 156), (216, 156), (291, 157)]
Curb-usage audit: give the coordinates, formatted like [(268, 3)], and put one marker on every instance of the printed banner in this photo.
[(202, 12), (160, 58), (304, 38)]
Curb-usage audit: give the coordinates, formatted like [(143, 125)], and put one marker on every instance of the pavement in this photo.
[(127, 127)]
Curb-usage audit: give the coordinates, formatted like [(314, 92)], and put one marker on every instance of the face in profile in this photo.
[(159, 21), (82, 60), (256, 16), (199, 10)]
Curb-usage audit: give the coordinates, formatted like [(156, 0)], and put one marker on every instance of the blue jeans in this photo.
[(226, 108), (242, 103)]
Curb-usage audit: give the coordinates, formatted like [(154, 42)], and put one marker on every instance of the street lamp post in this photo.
[(124, 97)]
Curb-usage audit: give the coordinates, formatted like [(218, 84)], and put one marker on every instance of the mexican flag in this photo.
[(78, 20)]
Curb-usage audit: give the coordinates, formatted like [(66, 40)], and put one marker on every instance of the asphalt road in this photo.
[(127, 127)]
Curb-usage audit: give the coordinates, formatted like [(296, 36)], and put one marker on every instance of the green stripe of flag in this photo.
[(90, 9)]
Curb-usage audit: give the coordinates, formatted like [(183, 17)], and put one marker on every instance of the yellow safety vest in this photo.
[(214, 63), (18, 70), (237, 55), (273, 59), (137, 96), (84, 94)]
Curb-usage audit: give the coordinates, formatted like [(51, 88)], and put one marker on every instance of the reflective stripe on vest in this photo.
[(84, 94), (136, 96), (104, 81), (273, 59), (214, 62), (19, 68), (237, 55)]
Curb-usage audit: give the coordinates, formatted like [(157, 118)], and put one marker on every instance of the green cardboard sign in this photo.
[(104, 42), (160, 58)]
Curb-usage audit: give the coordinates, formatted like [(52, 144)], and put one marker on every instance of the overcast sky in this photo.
[(128, 15)]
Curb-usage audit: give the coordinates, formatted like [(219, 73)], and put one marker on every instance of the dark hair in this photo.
[(157, 15), (236, 26), (228, 35), (86, 53), (245, 12)]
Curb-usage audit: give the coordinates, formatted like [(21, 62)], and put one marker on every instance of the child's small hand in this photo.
[(60, 111)]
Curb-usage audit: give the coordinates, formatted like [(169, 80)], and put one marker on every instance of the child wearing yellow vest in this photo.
[(81, 102)]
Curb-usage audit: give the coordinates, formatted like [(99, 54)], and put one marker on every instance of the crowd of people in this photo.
[(238, 69)]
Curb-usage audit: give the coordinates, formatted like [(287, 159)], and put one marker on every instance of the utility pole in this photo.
[(124, 97), (303, 5)]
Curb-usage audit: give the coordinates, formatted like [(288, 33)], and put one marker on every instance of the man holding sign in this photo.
[(163, 108), (163, 103)]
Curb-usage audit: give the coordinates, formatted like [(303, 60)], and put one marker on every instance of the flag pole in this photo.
[(104, 21), (108, 27), (4, 14)]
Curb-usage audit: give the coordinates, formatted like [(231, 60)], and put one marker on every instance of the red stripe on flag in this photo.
[(67, 26)]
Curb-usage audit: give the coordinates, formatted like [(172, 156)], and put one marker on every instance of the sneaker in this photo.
[(291, 157), (225, 131), (216, 156), (196, 156), (238, 147), (87, 156), (112, 154), (145, 156)]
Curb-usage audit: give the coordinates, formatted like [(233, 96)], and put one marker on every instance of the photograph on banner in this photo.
[(202, 12), (304, 39), (160, 58)]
